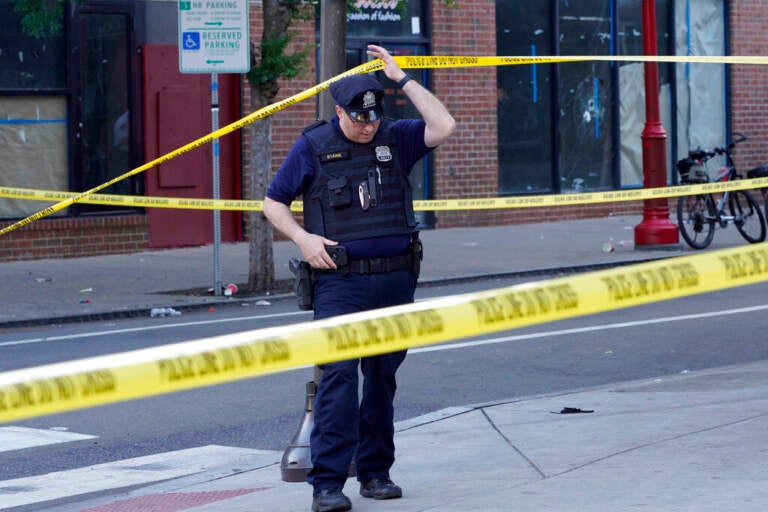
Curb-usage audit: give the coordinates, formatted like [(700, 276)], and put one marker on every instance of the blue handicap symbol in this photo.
[(191, 40)]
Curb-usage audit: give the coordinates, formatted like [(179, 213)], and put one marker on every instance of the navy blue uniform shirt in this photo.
[(295, 174)]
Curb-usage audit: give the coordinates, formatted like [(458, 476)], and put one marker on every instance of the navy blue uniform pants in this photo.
[(343, 424)]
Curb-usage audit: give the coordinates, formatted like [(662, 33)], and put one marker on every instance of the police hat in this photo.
[(361, 97)]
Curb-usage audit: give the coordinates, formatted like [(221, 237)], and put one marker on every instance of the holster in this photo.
[(303, 284)]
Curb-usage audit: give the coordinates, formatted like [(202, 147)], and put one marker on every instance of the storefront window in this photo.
[(596, 108), (372, 19), (701, 120), (106, 116), (33, 112), (524, 93), (33, 144), (28, 62), (586, 97)]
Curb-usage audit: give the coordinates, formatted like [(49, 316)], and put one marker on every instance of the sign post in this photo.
[(213, 38)]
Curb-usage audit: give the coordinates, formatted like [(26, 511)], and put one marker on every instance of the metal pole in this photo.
[(217, 285), (333, 42), (655, 231)]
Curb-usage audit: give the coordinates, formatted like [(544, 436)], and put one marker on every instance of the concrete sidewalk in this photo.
[(691, 442)]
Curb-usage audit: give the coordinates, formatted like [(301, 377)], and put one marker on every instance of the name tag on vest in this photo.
[(333, 156)]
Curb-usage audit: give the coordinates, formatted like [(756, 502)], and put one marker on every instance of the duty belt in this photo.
[(377, 265)]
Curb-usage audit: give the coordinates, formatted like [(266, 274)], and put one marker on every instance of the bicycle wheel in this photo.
[(696, 220), (748, 217)]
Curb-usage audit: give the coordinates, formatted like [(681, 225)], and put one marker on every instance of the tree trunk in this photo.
[(261, 261)]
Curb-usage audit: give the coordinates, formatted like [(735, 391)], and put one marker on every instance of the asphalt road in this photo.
[(687, 334)]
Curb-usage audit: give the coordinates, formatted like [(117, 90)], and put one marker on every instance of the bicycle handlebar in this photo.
[(700, 154)]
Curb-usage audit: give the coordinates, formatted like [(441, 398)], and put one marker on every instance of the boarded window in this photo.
[(33, 135)]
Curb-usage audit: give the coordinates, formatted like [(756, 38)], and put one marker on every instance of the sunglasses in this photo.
[(363, 116)]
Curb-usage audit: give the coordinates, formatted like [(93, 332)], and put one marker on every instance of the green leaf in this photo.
[(40, 18)]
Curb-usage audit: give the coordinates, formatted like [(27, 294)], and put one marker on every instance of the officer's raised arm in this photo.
[(439, 122)]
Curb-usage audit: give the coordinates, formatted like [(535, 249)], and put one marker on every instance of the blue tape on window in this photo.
[(32, 121)]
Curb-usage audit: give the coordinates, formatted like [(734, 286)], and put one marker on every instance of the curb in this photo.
[(144, 311)]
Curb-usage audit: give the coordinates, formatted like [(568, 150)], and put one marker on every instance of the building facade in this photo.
[(103, 95)]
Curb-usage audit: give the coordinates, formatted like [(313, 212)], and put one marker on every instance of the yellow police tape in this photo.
[(484, 203), (450, 61), (107, 379), (250, 118), (406, 62)]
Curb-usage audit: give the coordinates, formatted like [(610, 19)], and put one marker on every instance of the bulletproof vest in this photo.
[(359, 190)]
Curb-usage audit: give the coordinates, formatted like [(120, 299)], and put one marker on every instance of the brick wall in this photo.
[(467, 165), (74, 237), (749, 83)]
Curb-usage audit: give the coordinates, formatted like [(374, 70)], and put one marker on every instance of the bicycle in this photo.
[(698, 214)]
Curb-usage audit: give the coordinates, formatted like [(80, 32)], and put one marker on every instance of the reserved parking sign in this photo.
[(213, 36)]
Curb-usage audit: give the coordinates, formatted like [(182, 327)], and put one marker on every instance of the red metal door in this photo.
[(177, 110)]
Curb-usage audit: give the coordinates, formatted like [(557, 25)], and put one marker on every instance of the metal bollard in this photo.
[(297, 460), (297, 457)]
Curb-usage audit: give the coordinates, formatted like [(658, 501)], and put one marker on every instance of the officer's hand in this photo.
[(313, 249), (391, 69)]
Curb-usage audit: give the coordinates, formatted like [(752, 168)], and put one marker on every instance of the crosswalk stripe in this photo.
[(122, 473), (18, 438)]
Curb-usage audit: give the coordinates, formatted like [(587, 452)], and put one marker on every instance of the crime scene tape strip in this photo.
[(107, 379), (455, 61), (183, 203), (419, 205), (406, 62), (250, 118)]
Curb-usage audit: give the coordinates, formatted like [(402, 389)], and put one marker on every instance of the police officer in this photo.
[(359, 236)]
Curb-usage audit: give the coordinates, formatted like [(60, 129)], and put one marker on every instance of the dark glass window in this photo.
[(586, 97), (386, 19), (630, 31), (105, 101), (27, 62), (524, 94)]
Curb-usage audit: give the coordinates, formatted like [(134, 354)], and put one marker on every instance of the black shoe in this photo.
[(330, 500), (380, 489)]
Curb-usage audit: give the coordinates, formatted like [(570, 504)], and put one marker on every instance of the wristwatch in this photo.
[(403, 81)]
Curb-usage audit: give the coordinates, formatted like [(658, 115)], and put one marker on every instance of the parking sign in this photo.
[(213, 36)]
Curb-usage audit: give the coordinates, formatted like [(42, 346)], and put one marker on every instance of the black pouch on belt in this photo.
[(417, 254), (303, 285)]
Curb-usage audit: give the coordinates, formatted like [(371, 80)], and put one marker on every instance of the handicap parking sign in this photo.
[(191, 40), (213, 37)]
